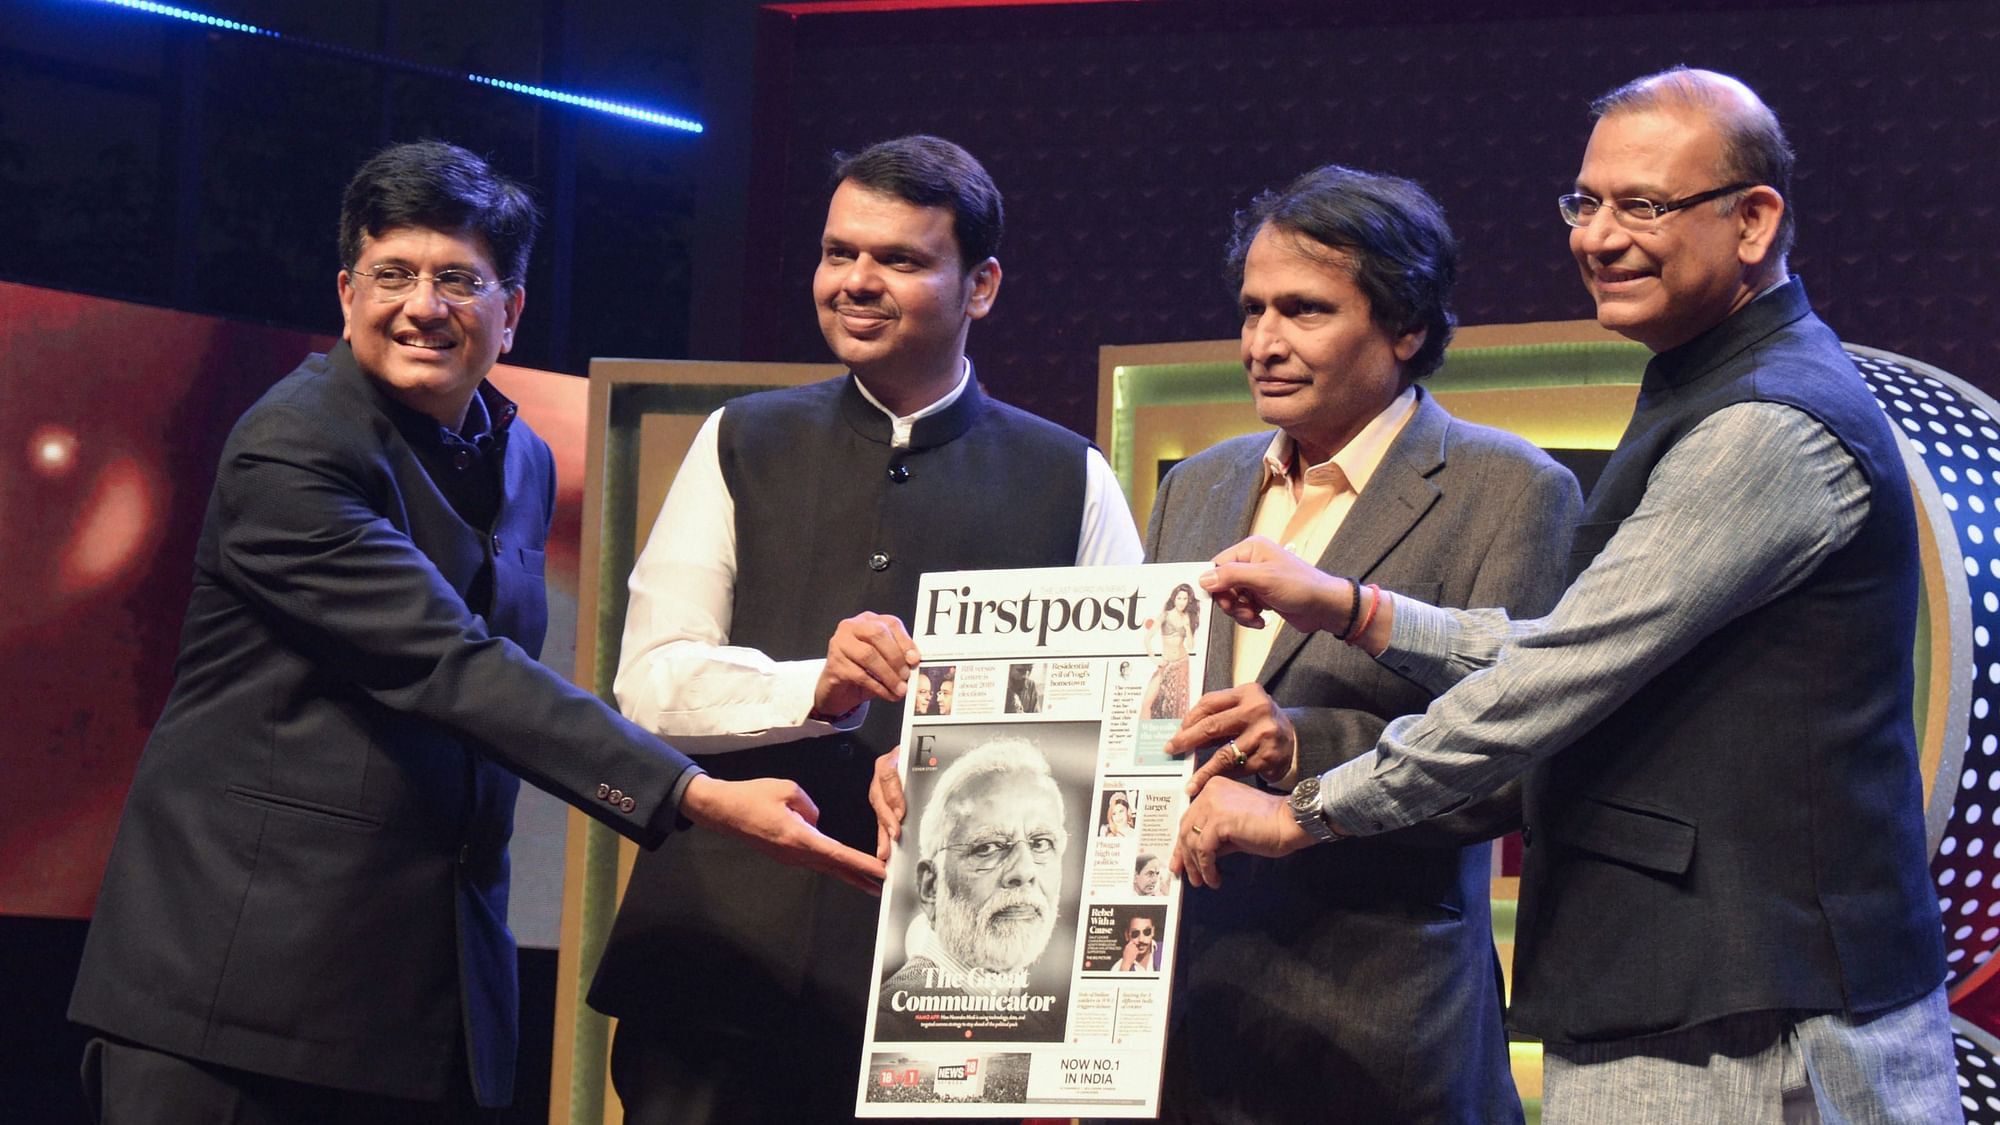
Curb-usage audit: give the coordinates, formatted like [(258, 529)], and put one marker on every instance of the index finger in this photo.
[(857, 869), (1241, 609), (1197, 729), (896, 645), (1245, 550), (1207, 772)]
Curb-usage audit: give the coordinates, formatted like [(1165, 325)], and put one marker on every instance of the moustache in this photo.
[(1010, 900)]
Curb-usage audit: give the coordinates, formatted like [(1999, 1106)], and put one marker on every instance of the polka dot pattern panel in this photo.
[(1978, 1073), (1951, 441)]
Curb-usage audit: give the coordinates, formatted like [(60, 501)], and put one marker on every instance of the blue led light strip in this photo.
[(194, 17), (598, 104), (581, 101)]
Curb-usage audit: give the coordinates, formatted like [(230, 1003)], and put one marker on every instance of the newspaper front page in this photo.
[(1026, 946)]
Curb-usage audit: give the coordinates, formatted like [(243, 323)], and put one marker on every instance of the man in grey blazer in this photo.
[(1360, 977)]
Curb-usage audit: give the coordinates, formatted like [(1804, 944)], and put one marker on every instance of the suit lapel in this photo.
[(1398, 495), (1231, 505)]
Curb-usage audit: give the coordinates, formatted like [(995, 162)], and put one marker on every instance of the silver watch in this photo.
[(1304, 803)]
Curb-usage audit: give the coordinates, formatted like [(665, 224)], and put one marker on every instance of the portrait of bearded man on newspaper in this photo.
[(988, 943)]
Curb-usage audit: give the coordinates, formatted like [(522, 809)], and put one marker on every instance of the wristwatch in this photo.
[(1304, 803)]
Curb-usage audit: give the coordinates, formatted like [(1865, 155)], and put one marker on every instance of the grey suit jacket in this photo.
[(1360, 977)]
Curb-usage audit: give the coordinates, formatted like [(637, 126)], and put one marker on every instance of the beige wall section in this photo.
[(647, 447)]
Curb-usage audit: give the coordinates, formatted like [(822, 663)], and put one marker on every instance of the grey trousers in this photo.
[(1765, 1068)]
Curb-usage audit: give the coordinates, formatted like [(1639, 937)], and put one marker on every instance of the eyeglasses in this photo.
[(1139, 932), (1634, 213), (990, 852), (457, 287)]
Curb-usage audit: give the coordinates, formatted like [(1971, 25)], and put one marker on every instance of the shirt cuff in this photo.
[(1350, 798), (667, 819), (1420, 645)]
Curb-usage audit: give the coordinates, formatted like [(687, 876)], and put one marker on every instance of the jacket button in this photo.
[(461, 459), (878, 561), (627, 805), (496, 544), (464, 854), (603, 791), (899, 473), (1527, 836)]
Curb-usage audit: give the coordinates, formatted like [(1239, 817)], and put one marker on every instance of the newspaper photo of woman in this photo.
[(1118, 819), (1166, 695)]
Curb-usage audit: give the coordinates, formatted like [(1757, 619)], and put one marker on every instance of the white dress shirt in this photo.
[(678, 675)]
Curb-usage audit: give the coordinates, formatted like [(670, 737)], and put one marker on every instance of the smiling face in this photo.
[(1319, 366), (1690, 269), (894, 299), (994, 886), (426, 353)]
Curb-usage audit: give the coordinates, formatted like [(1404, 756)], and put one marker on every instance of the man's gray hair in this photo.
[(1754, 148), (1001, 755)]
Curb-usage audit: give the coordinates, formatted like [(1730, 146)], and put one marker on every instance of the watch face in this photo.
[(1305, 810)]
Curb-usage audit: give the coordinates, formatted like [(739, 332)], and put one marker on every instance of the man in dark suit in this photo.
[(1726, 912), (1362, 983), (304, 915)]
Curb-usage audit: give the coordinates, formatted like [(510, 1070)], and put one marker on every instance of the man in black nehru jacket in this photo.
[(766, 635)]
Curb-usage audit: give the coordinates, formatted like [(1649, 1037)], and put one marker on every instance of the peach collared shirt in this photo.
[(1302, 509)]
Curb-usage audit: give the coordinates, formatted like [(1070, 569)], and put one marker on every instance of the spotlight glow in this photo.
[(52, 450), (561, 97)]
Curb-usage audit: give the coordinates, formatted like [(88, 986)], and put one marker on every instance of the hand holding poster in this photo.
[(1023, 958)]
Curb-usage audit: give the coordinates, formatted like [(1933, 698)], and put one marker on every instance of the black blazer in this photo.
[(310, 879)]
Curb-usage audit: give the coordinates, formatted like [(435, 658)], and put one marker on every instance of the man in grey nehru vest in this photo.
[(1725, 908), (766, 634)]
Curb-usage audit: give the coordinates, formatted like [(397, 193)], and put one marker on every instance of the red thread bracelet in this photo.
[(1374, 603)]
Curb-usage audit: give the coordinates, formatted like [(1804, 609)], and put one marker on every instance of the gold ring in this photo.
[(1196, 829), (1241, 757)]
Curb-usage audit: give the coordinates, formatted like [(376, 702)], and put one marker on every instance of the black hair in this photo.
[(933, 172), (442, 187), (1387, 232)]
